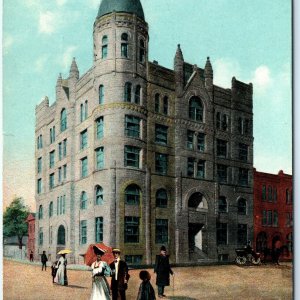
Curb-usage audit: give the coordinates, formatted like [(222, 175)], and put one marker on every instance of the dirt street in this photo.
[(26, 281)]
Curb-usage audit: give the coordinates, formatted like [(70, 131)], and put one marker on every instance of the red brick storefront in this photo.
[(31, 234), (273, 212)]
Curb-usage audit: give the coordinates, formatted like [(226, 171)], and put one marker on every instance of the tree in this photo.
[(14, 220)]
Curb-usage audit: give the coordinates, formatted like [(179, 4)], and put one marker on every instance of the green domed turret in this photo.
[(128, 6)]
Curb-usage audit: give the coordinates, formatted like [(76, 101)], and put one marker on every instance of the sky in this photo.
[(250, 40)]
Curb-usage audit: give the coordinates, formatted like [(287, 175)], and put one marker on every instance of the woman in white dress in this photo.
[(61, 274), (100, 269)]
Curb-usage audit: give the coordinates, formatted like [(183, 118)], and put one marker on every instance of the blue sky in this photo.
[(250, 40)]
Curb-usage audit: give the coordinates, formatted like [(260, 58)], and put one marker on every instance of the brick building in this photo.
[(31, 234), (273, 212), (138, 156)]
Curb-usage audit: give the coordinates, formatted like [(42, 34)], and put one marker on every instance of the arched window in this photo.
[(161, 198), (132, 195), (101, 94), (98, 195), (142, 51), (196, 201), (61, 235), (242, 206), (81, 112), (83, 200), (137, 94), (222, 205), (196, 109), (124, 45), (63, 120), (104, 46), (85, 109), (166, 105), (127, 92), (41, 212), (156, 99), (50, 209)]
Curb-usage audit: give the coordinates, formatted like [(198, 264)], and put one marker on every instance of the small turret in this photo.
[(58, 87), (74, 73), (178, 68), (208, 75)]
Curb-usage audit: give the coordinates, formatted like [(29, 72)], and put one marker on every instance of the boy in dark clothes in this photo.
[(146, 291), (53, 270)]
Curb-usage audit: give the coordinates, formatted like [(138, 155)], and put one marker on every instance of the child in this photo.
[(146, 291), (53, 270)]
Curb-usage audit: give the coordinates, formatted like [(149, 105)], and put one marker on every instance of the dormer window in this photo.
[(196, 109), (124, 45), (104, 46)]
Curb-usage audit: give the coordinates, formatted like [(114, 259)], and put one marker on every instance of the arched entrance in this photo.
[(261, 242), (61, 236), (197, 208)]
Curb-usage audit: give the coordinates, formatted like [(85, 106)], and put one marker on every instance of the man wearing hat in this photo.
[(120, 276), (163, 270)]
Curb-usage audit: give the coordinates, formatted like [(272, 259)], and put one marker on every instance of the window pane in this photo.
[(132, 156), (99, 229), (99, 195), (132, 126), (100, 128), (161, 231), (161, 163), (132, 195), (161, 198), (100, 158), (131, 234), (161, 134)]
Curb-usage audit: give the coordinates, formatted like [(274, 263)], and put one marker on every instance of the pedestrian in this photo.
[(44, 260), (61, 274), (100, 270), (163, 270), (120, 276), (54, 270), (277, 253), (146, 291), (31, 256)]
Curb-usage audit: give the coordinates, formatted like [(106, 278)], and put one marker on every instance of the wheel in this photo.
[(240, 260), (256, 261)]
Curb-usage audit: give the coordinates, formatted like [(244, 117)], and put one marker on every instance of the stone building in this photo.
[(273, 212), (138, 155), (31, 235)]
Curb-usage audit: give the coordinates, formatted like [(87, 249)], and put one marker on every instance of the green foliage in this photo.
[(14, 219)]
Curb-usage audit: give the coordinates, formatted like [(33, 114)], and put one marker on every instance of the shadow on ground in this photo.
[(180, 298), (76, 286)]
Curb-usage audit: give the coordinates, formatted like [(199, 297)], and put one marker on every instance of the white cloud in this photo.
[(40, 63), (8, 41), (262, 78), (48, 22), (61, 2), (224, 70), (67, 57)]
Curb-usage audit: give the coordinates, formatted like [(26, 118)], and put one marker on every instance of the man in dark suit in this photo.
[(44, 260), (163, 270), (119, 275)]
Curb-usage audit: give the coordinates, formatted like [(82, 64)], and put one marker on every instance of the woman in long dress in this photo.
[(100, 269), (61, 274)]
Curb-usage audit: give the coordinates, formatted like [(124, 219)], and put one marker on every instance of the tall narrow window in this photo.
[(270, 193), (83, 200), (222, 204), (52, 135), (221, 148), (142, 52), (195, 109), (242, 234), (99, 229), (161, 231), (81, 112), (99, 158), (61, 235), (166, 105), (59, 174), (51, 181), (83, 232), (264, 218), (190, 166), (132, 156), (100, 128), (50, 209), (201, 169), (127, 92), (242, 206), (221, 233), (264, 193), (156, 103), (131, 230), (222, 173), (63, 120), (39, 165), (104, 46), (137, 94), (243, 152), (161, 134), (190, 140), (59, 151), (132, 195), (101, 94), (132, 126), (161, 198), (124, 45), (275, 218), (98, 195), (201, 142), (65, 171), (224, 122), (85, 109), (39, 186), (41, 212), (64, 147), (41, 236), (84, 167), (161, 163), (243, 176), (51, 159), (83, 139)]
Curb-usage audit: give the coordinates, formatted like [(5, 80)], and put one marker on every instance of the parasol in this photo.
[(65, 251), (90, 256)]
